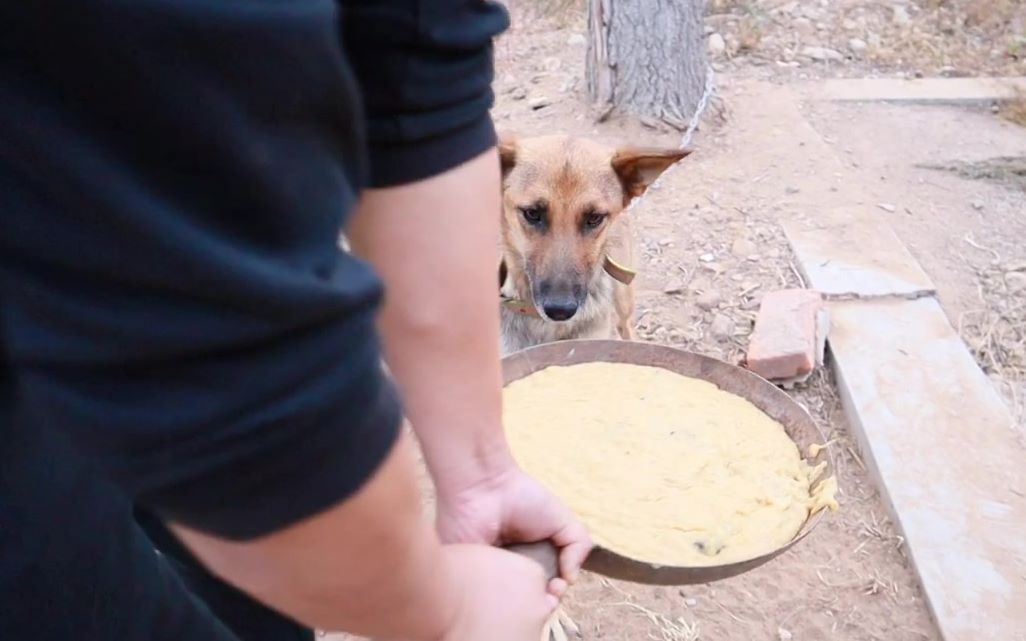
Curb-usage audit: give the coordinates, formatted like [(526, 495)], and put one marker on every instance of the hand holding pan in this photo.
[(761, 393)]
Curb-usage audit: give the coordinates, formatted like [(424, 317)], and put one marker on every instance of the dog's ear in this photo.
[(507, 153), (638, 168)]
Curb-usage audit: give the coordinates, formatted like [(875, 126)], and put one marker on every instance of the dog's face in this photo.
[(560, 196)]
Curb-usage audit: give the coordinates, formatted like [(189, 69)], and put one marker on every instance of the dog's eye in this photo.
[(533, 214), (593, 219)]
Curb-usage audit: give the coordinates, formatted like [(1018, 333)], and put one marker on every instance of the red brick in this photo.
[(785, 342)]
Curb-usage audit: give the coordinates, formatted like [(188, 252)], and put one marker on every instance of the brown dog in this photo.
[(566, 248)]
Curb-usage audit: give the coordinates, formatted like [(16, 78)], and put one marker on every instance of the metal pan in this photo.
[(761, 393)]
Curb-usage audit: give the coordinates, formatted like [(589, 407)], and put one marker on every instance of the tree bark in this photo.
[(647, 57)]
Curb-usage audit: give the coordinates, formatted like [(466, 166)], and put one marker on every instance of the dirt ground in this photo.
[(706, 259)]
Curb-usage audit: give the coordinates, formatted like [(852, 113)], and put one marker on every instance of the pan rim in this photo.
[(730, 378)]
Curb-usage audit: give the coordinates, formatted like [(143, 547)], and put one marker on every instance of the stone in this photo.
[(822, 54), (707, 258), (743, 248), (722, 327), (539, 102), (709, 299), (857, 45), (887, 207), (518, 93), (717, 45), (577, 40), (552, 64), (899, 14), (787, 337), (978, 205), (673, 287), (1016, 282)]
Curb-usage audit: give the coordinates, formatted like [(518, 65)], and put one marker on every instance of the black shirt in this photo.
[(178, 328)]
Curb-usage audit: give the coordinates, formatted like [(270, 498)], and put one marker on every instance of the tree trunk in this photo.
[(647, 57)]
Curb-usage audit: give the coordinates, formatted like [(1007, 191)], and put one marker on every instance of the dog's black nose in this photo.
[(560, 310)]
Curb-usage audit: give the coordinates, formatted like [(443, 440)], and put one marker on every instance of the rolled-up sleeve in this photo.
[(425, 69)]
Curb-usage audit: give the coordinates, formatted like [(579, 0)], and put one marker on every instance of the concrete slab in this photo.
[(948, 462), (921, 90), (853, 251)]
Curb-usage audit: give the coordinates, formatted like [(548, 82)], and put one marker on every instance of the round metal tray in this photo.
[(760, 392)]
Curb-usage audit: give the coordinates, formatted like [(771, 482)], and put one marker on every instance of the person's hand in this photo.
[(511, 507), (503, 595)]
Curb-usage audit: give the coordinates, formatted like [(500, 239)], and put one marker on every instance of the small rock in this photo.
[(577, 40), (802, 24), (691, 602), (1016, 282), (743, 247), (707, 258), (978, 205), (822, 54), (717, 45), (665, 242), (784, 635), (887, 207), (539, 102), (709, 299), (722, 327), (1016, 266), (857, 45), (900, 14), (788, 8), (673, 287), (792, 190), (518, 93)]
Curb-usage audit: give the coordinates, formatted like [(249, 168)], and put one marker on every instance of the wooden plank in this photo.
[(921, 90), (947, 458)]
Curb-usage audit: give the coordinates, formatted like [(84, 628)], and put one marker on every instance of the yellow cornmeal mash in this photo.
[(661, 467)]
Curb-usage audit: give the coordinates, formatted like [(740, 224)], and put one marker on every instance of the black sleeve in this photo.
[(173, 178), (425, 69)]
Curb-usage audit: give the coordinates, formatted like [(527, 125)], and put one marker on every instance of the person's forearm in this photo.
[(370, 565), (434, 244)]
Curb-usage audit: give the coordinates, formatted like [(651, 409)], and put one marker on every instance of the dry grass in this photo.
[(996, 331), (679, 629), (1014, 110), (560, 12)]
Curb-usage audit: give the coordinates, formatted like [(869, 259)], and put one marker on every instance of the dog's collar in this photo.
[(617, 271)]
